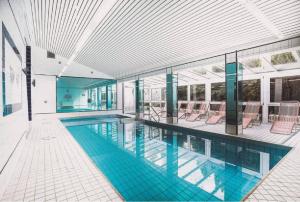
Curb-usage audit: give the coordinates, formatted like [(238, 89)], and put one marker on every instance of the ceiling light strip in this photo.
[(105, 8)]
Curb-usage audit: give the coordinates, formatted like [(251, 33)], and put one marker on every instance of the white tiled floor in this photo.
[(283, 182), (52, 166)]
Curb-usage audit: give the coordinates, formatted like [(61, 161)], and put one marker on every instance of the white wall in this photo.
[(13, 126), (44, 94), (48, 66)]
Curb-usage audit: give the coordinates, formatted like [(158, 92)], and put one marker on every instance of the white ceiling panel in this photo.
[(139, 35)]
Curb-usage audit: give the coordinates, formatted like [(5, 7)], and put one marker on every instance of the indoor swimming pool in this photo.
[(145, 162)]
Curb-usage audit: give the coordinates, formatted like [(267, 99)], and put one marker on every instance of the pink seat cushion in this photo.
[(214, 119), (192, 117), (282, 127), (180, 114), (246, 122)]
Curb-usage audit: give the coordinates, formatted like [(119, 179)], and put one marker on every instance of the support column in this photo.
[(123, 104), (189, 93), (208, 92), (234, 110), (28, 81), (98, 99), (171, 96), (108, 97), (139, 99), (265, 88)]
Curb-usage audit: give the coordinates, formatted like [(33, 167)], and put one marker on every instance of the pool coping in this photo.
[(226, 136)]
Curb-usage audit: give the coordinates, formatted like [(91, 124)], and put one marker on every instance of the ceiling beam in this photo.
[(260, 16)]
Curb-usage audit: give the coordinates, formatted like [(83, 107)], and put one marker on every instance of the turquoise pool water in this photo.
[(74, 110), (145, 163)]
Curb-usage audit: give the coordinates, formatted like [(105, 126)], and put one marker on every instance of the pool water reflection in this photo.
[(150, 163)]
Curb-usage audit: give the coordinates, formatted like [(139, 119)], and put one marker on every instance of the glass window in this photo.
[(283, 58), (147, 94), (182, 92), (197, 92), (218, 91), (218, 69), (82, 94), (285, 89), (250, 90), (163, 94), (155, 94), (253, 63)]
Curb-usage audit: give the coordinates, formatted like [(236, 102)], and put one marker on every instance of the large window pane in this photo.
[(285, 89), (250, 90), (182, 92), (147, 94), (82, 94), (197, 92), (155, 94), (218, 91), (283, 58)]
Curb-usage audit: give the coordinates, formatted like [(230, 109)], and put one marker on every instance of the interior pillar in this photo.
[(108, 97), (28, 81), (208, 91), (171, 95), (139, 99), (234, 110), (265, 88)]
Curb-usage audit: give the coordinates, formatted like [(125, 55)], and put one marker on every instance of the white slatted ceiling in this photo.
[(58, 24), (285, 14), (140, 35), (144, 34)]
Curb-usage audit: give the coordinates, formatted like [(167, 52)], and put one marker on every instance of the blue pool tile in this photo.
[(149, 170)]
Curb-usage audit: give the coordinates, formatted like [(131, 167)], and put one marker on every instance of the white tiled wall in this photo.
[(44, 94), (13, 126)]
